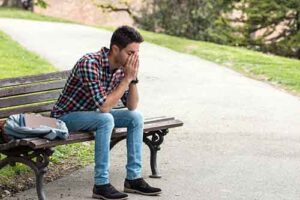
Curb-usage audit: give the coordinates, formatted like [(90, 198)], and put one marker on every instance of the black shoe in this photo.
[(107, 192), (141, 187)]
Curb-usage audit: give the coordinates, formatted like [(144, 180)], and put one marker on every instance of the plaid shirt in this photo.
[(89, 84)]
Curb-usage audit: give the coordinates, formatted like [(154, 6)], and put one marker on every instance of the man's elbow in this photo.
[(104, 109), (132, 108)]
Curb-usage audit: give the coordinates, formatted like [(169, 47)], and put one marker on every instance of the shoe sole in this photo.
[(127, 190), (97, 196)]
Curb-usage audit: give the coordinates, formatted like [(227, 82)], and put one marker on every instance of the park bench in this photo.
[(37, 94)]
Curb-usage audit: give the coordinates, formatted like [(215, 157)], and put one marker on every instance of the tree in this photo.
[(278, 23), (195, 19), (127, 6), (266, 25)]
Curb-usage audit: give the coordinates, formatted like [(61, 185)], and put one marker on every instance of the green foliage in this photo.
[(275, 69), (267, 16), (209, 20), (196, 19), (41, 3)]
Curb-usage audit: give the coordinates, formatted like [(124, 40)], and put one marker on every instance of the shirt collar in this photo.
[(104, 57), (105, 63)]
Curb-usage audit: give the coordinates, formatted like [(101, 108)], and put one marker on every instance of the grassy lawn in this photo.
[(274, 69), (16, 61)]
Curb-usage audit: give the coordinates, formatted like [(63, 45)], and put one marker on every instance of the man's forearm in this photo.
[(113, 98), (133, 97)]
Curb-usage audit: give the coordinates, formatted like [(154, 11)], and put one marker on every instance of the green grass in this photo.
[(83, 153), (274, 69), (17, 61), (21, 14)]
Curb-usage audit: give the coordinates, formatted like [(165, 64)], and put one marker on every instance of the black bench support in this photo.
[(37, 160), (157, 138)]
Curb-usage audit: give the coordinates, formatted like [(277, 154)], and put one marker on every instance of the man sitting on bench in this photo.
[(96, 84)]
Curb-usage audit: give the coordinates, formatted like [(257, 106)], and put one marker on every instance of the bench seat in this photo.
[(152, 124)]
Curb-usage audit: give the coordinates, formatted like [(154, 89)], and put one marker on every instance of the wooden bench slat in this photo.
[(151, 125), (9, 145), (38, 143), (25, 89), (34, 78), (162, 125), (31, 108), (40, 108), (157, 119), (147, 121), (28, 99)]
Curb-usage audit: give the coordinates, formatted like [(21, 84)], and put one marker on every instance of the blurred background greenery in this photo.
[(271, 26)]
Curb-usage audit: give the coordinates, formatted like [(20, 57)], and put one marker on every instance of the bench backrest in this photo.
[(36, 93)]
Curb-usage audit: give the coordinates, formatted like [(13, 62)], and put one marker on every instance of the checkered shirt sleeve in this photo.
[(89, 74)]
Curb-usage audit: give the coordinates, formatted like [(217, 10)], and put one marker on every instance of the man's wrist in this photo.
[(127, 81), (134, 81)]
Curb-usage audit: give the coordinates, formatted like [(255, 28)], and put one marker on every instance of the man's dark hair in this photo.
[(125, 35)]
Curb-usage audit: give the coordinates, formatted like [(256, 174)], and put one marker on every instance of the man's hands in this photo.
[(131, 72), (131, 67)]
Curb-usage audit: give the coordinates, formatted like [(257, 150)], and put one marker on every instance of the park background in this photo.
[(260, 39)]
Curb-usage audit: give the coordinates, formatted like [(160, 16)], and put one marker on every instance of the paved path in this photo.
[(241, 138)]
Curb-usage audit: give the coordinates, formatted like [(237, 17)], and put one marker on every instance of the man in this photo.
[(96, 84)]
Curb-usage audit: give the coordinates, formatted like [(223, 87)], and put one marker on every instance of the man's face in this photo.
[(124, 54)]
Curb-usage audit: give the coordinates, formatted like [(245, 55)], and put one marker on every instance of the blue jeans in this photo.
[(103, 124)]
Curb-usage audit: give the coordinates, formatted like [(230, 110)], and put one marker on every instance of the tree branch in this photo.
[(111, 8)]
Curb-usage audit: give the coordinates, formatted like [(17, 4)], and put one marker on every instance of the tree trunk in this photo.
[(298, 21)]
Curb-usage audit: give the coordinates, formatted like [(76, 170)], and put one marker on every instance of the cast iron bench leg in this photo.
[(157, 138), (39, 166)]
